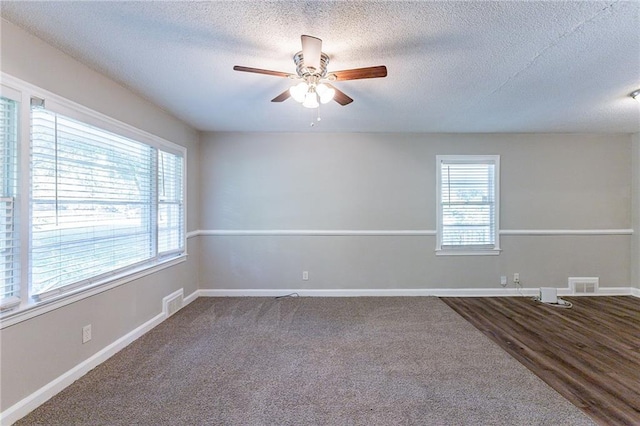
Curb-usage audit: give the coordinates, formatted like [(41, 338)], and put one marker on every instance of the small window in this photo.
[(468, 204), (9, 241)]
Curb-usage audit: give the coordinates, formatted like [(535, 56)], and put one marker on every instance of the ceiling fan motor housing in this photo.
[(303, 71)]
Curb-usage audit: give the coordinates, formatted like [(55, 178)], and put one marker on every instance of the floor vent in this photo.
[(173, 302), (584, 285)]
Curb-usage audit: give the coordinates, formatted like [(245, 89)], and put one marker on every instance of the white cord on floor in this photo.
[(564, 304)]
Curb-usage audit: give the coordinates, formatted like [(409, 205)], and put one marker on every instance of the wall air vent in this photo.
[(173, 302), (584, 285)]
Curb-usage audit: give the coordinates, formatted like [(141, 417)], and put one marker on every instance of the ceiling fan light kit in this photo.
[(314, 82), (308, 94)]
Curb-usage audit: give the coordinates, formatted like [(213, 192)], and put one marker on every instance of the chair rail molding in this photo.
[(392, 232)]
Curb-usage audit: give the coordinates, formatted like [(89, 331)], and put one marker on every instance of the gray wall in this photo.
[(635, 252), (38, 350), (364, 181)]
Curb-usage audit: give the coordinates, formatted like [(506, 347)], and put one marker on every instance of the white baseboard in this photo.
[(635, 292), (438, 292), (42, 395), (190, 298)]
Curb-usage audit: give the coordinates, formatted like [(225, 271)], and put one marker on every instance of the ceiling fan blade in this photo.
[(311, 49), (261, 71), (340, 96), (358, 73), (282, 96)]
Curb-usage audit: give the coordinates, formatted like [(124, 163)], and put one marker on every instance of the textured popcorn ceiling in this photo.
[(510, 66)]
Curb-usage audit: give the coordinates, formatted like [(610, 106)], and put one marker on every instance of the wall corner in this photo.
[(635, 210)]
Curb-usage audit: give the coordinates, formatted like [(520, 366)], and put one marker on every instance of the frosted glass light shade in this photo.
[(311, 100), (299, 91), (325, 92), (321, 89)]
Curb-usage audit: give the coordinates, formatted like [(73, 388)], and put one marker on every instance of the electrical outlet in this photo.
[(503, 280), (305, 275), (516, 278), (86, 333)]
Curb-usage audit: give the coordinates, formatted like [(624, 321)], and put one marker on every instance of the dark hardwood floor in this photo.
[(590, 354)]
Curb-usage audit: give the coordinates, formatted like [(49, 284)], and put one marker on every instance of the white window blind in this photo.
[(94, 203), (9, 241), (468, 203), (170, 203)]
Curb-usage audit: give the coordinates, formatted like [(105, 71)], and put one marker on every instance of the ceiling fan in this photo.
[(314, 80)]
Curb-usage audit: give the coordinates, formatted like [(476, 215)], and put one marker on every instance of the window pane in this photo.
[(92, 198), (171, 202), (467, 203), (9, 242)]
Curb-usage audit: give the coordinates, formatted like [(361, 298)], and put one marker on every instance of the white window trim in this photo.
[(27, 311), (467, 250), (26, 307)]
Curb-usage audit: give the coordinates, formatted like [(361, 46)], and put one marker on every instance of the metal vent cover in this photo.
[(173, 302), (584, 285)]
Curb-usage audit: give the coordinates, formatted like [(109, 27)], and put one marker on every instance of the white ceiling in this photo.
[(511, 66)]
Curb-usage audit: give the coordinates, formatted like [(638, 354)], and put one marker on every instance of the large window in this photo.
[(468, 204), (9, 241), (87, 202), (100, 203)]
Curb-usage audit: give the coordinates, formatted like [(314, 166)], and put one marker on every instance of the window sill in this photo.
[(33, 309), (467, 252)]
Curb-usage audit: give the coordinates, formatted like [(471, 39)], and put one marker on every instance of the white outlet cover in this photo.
[(86, 333)]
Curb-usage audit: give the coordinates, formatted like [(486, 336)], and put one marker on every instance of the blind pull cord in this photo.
[(164, 194), (449, 183), (55, 132)]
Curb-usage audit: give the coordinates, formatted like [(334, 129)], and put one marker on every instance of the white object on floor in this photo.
[(548, 295)]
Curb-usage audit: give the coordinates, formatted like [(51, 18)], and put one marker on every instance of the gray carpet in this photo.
[(310, 361)]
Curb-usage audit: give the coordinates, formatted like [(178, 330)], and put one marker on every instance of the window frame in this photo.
[(28, 307), (467, 250), (177, 202), (15, 299)]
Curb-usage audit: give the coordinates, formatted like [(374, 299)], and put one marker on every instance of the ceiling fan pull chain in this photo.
[(313, 123)]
